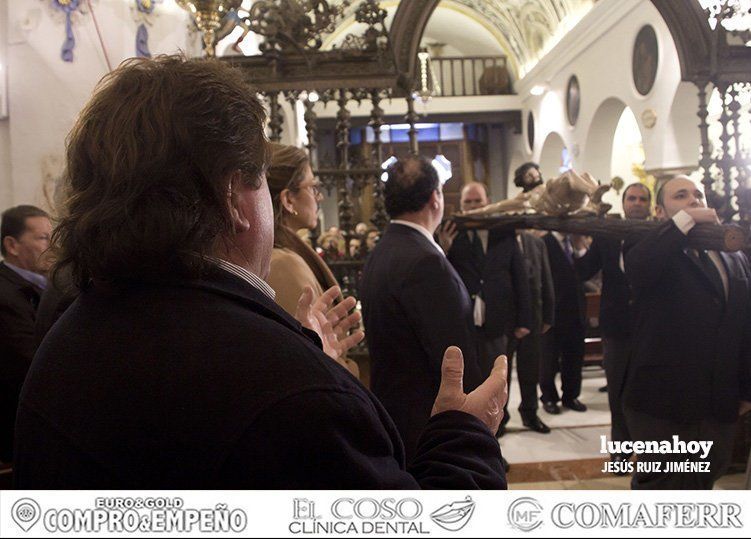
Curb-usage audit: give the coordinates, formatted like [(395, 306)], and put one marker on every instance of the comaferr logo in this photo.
[(590, 515), (454, 516)]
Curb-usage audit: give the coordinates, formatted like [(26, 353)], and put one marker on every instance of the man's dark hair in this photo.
[(521, 171), (411, 182), (148, 164), (13, 222), (636, 184), (660, 195)]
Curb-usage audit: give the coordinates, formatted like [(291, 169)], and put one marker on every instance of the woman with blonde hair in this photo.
[(296, 194)]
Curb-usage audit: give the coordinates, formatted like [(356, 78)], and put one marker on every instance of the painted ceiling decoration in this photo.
[(527, 29), (531, 27)]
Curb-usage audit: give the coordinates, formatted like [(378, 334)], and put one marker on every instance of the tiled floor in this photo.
[(569, 457)]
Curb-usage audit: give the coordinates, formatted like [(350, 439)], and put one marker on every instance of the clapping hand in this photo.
[(446, 235), (485, 403), (331, 322)]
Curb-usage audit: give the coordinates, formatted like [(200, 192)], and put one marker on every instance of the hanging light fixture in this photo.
[(208, 15)]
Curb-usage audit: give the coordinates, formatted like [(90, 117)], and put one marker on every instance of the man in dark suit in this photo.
[(688, 373), (493, 270), (615, 304), (414, 303), (564, 344), (25, 236), (529, 349), (174, 367)]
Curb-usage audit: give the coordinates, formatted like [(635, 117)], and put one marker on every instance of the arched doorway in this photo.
[(614, 146), (552, 159), (627, 156)]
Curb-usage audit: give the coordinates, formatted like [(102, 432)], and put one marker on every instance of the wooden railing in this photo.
[(459, 76)]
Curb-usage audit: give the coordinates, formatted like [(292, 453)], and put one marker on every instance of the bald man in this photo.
[(688, 374), (492, 268)]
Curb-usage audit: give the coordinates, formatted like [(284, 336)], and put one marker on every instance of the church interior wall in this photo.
[(45, 93), (599, 52), (5, 168)]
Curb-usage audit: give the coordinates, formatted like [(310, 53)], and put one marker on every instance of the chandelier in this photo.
[(294, 25), (208, 15)]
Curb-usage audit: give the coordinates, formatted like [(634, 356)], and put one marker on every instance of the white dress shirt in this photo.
[(248, 276)]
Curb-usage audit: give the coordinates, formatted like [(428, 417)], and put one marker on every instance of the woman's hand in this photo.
[(331, 322)]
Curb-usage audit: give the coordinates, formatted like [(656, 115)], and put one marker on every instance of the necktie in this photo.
[(711, 270), (477, 251), (568, 250)]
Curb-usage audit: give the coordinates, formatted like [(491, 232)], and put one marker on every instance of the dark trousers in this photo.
[(615, 360), (528, 353), (488, 349), (647, 428), (563, 351)]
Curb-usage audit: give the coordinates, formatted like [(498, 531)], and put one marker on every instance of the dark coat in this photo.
[(687, 362), (205, 384), (615, 301), (570, 304), (58, 296), (414, 306), (18, 304), (541, 288), (500, 278)]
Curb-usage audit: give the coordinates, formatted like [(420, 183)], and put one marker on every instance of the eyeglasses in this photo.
[(314, 188)]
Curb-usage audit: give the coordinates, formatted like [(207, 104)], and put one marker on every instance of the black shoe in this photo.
[(621, 460), (535, 424), (551, 407), (603, 389), (506, 465), (576, 405)]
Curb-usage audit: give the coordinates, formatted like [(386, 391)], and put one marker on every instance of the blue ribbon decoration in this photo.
[(67, 7), (142, 35), (142, 42)]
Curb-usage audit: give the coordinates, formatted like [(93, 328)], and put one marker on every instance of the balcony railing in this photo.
[(462, 76)]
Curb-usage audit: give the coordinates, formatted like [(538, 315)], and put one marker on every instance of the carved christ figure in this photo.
[(568, 194)]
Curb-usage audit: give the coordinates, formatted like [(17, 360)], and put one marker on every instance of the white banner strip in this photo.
[(373, 513)]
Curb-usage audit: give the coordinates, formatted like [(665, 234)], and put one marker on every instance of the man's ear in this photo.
[(11, 245), (435, 200), (660, 212), (235, 189)]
